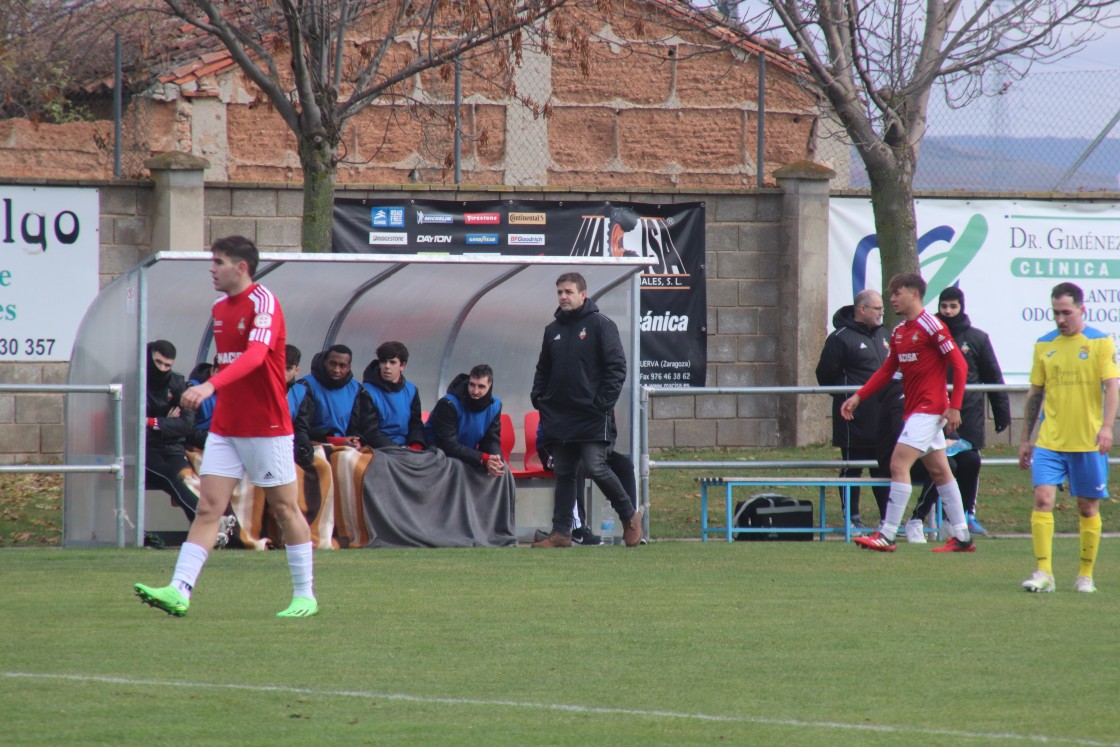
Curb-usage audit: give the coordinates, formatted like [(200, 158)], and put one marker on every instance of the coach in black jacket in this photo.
[(852, 353), (579, 377)]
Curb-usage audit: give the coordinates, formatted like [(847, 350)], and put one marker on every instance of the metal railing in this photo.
[(646, 464), (116, 394)]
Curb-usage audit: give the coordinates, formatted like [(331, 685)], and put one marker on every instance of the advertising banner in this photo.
[(673, 297), (1006, 255), (49, 239)]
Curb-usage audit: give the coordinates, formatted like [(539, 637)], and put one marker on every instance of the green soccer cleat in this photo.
[(300, 607), (167, 598)]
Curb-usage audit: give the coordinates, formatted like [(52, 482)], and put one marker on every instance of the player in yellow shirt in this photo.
[(1074, 384)]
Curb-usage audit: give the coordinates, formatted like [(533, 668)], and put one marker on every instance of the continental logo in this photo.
[(527, 219)]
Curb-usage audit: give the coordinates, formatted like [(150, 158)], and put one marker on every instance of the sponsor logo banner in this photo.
[(482, 219), (482, 238), (383, 238), (526, 239), (433, 239), (527, 219), (423, 218), (387, 217)]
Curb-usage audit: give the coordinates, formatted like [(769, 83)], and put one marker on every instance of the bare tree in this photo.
[(321, 62), (878, 61)]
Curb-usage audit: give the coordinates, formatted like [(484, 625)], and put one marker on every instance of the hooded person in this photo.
[(395, 397), (167, 428), (466, 422), (341, 407)]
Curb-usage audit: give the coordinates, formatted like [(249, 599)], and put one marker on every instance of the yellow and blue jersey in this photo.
[(1071, 368)]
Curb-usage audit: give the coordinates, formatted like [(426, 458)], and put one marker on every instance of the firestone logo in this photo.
[(482, 219)]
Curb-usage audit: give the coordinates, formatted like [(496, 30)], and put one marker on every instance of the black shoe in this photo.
[(583, 536)]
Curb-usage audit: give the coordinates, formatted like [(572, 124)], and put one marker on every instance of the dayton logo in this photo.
[(953, 260)]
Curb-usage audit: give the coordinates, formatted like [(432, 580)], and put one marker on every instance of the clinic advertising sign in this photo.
[(48, 269), (1006, 255)]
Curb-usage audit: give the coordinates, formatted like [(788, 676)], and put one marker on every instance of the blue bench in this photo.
[(730, 483)]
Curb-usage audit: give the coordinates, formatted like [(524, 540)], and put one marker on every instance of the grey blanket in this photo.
[(424, 499)]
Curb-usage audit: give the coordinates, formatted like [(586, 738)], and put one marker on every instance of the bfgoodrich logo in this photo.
[(526, 239), (482, 219), (527, 219), (482, 238), (384, 238)]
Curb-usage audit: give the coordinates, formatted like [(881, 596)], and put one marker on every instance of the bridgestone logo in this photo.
[(379, 238)]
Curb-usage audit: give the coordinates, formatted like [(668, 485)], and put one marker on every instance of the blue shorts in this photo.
[(1086, 471)]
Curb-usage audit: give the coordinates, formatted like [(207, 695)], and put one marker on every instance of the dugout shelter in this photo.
[(451, 311)]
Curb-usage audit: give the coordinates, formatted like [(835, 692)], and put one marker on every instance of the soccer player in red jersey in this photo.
[(251, 430), (921, 349)]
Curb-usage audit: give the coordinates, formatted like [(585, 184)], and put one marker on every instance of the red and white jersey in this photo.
[(922, 349), (250, 335)]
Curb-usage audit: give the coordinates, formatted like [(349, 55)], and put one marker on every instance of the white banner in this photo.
[(1006, 255), (49, 240)]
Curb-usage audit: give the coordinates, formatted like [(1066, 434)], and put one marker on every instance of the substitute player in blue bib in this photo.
[(1074, 386)]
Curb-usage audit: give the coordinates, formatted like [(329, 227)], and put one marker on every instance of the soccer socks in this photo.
[(1090, 541), (1042, 538), (896, 508), (299, 563), (188, 567), (951, 501)]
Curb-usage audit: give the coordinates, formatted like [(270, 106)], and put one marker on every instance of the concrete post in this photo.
[(178, 217), (803, 294)]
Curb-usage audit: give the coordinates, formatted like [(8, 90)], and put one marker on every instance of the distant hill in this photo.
[(984, 163)]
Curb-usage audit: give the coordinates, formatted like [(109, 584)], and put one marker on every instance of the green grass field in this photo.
[(673, 643)]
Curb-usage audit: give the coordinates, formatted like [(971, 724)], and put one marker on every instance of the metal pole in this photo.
[(1088, 152), (117, 113), (761, 139), (458, 122), (118, 446)]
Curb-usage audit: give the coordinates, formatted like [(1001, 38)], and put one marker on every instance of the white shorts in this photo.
[(269, 460), (921, 431)]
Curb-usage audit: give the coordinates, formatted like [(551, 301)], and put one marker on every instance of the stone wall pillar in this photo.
[(178, 219), (803, 294)]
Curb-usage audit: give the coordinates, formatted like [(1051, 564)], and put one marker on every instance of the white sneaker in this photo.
[(1084, 584), (915, 532), (1041, 581)]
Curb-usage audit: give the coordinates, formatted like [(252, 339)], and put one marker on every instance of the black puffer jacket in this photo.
[(983, 368), (444, 424), (579, 377), (851, 354), (164, 391)]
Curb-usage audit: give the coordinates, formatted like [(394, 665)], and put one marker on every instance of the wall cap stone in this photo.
[(174, 160), (804, 170)]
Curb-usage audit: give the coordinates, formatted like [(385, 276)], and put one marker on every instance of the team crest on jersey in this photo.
[(914, 338), (583, 333), (1084, 354), (965, 348), (241, 325), (262, 321)]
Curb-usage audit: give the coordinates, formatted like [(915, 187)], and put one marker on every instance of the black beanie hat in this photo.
[(952, 293)]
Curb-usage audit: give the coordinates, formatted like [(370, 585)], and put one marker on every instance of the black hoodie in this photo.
[(444, 424), (851, 354), (983, 368), (164, 390)]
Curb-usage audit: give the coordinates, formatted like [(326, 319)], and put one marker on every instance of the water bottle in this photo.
[(606, 529)]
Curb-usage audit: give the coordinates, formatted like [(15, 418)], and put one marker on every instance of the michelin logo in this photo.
[(526, 239), (387, 217), (482, 238), (423, 218), (384, 238)]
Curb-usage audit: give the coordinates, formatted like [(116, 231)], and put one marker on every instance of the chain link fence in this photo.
[(1036, 137)]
